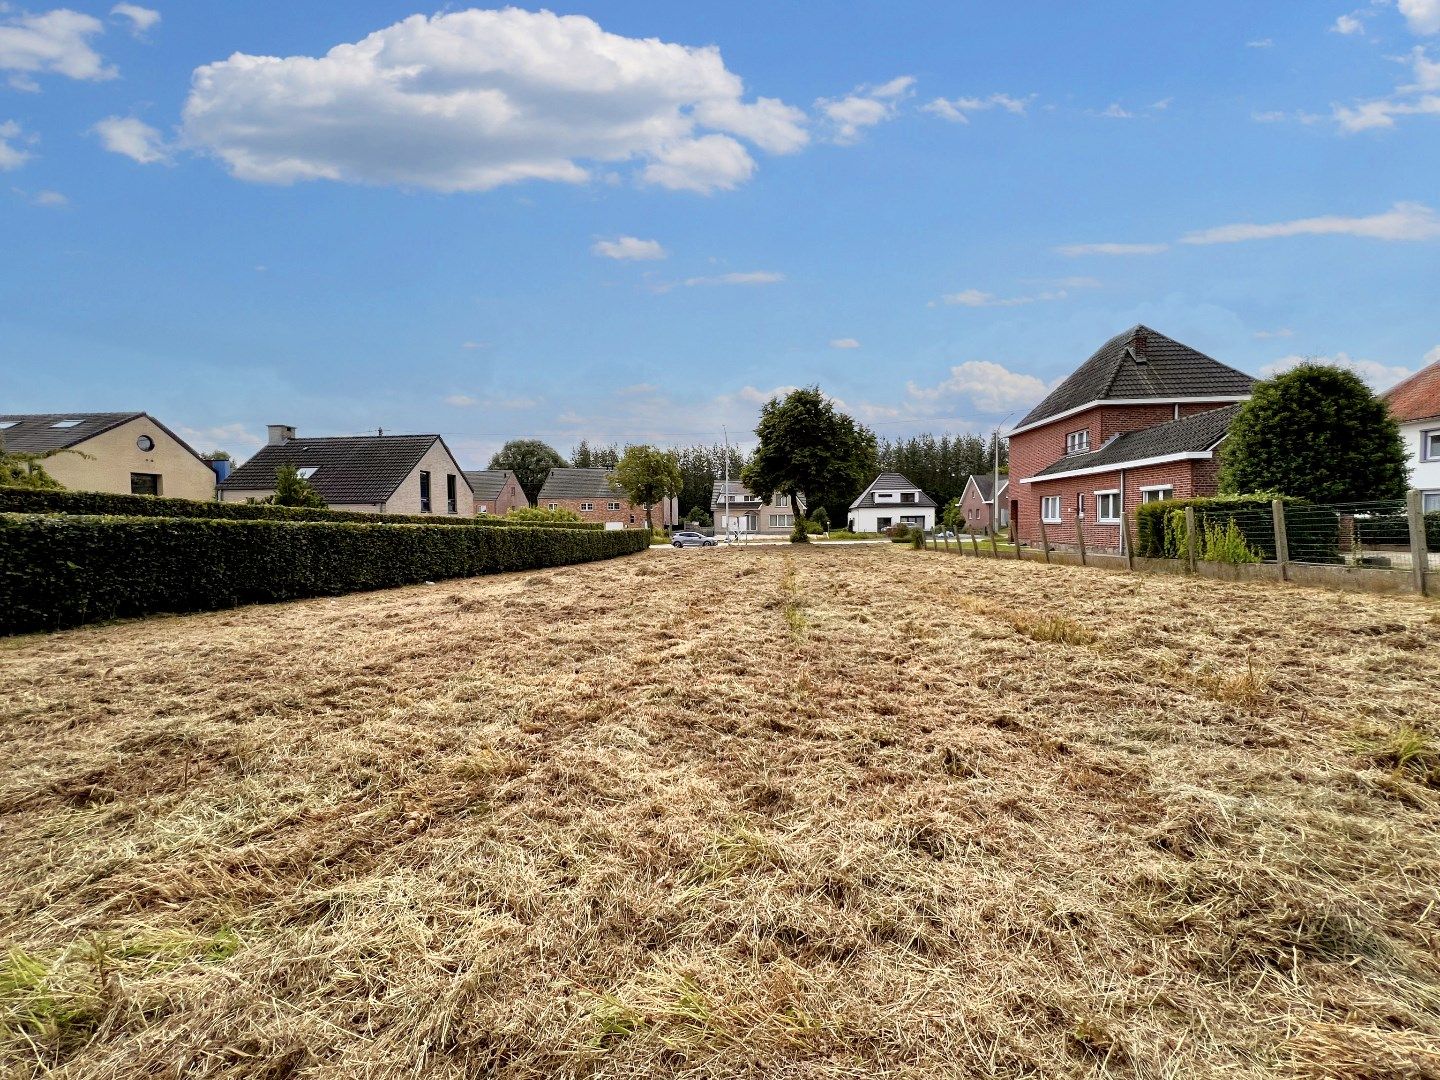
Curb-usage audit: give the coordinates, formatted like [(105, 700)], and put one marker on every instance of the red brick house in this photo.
[(591, 494), (977, 502), (497, 491), (1140, 420)]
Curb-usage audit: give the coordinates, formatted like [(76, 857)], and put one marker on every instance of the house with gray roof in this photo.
[(891, 499), (739, 511), (977, 503), (125, 453), (497, 491), (593, 495), (385, 474)]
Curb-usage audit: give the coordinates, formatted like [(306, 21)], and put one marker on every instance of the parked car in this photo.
[(686, 538)]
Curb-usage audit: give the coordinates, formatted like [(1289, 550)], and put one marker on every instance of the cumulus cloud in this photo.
[(844, 343), (1421, 97), (989, 386), (628, 248), (1111, 249), (133, 138), (1422, 15), (471, 100), (55, 42), (140, 18), (1403, 221), (958, 110), (864, 107), (1380, 376), (11, 155)]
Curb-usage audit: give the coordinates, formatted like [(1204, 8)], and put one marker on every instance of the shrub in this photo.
[(15, 500), (1393, 529), (812, 527), (917, 539), (798, 535), (533, 514), (898, 533), (1313, 532), (821, 518), (292, 489), (61, 571), (1226, 543)]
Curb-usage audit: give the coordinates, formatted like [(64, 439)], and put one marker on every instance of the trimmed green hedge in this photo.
[(1312, 534), (1393, 530), (60, 571), (18, 500)]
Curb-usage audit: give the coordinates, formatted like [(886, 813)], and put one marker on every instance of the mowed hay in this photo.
[(790, 812)]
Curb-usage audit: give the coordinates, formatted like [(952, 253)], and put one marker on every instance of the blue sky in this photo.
[(636, 221)]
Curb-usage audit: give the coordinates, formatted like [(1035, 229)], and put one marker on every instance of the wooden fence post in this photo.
[(1419, 549), (1080, 537), (1127, 539), (1044, 540), (994, 550), (975, 543), (947, 542), (1282, 540), (1190, 538)]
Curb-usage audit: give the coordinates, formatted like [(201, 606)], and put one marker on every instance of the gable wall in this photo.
[(113, 455)]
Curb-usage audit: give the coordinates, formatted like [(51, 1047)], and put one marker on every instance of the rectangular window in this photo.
[(1050, 509), (780, 500), (587, 507), (144, 483), (1430, 501), (306, 471), (907, 496), (913, 519), (451, 500), (1430, 446), (883, 523), (1077, 442), (884, 496), (553, 506), (1156, 494), (1107, 507), (424, 492), (612, 506), (782, 521)]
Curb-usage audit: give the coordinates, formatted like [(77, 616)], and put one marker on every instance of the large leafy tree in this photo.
[(647, 475), (1315, 432), (810, 451), (531, 461)]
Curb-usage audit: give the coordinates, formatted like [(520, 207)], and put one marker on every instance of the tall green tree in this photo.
[(1315, 432), (292, 489), (810, 451), (531, 461), (647, 475)]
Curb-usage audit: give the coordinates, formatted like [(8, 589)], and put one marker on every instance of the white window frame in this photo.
[(1157, 493), (553, 506), (782, 521), (612, 506), (587, 507), (1430, 445), (1046, 502), (1429, 502), (1103, 497), (1077, 442)]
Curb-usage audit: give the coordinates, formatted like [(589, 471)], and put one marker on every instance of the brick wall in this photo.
[(628, 514), (1188, 479)]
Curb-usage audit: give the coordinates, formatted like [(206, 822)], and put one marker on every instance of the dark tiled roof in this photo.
[(986, 481), (889, 481), (1190, 435), (487, 484), (348, 468), (35, 433), (578, 484), (1141, 363), (1418, 397), (738, 495)]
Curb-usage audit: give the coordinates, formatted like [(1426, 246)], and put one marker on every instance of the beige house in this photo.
[(738, 511), (385, 474), (126, 453)]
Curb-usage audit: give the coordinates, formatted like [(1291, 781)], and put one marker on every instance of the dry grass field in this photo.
[(863, 812)]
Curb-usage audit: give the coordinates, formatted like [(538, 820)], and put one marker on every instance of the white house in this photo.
[(1415, 404), (891, 499), (737, 510)]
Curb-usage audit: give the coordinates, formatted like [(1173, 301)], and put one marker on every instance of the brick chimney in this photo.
[(280, 434)]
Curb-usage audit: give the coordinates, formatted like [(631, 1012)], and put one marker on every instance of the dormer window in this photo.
[(907, 496), (1078, 442), (306, 471)]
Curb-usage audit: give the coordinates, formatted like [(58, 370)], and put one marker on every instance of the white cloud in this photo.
[(978, 298), (1348, 24), (221, 436), (746, 277), (141, 18), (1433, 356), (844, 343), (56, 42), (461, 401), (1418, 98), (1403, 221), (1266, 335), (468, 401), (1116, 111), (628, 248), (1381, 376), (1111, 249), (989, 386), (864, 107), (49, 199), (1422, 15), (11, 156), (474, 344), (958, 110), (471, 100), (134, 138), (1261, 43)]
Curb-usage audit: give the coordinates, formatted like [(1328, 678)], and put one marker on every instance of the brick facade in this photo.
[(615, 508)]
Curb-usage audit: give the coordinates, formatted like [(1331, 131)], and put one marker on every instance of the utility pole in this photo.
[(995, 478), (726, 491)]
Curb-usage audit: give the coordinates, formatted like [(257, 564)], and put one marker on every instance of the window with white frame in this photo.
[(1156, 494), (553, 506), (1431, 501), (1077, 442), (587, 507), (612, 506), (1107, 507), (1430, 445), (1050, 509), (782, 521)]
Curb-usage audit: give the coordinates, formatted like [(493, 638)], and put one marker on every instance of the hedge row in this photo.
[(1312, 533), (19, 500), (1393, 530), (65, 570)]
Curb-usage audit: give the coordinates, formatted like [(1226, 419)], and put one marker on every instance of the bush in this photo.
[(62, 571), (798, 535), (15, 500), (917, 539), (534, 514), (812, 527), (1313, 533), (821, 518), (1380, 528), (899, 533)]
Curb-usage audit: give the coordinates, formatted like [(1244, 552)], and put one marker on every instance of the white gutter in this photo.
[(1119, 466), (1205, 400)]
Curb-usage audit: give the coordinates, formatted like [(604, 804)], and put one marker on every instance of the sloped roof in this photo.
[(578, 484), (1189, 435), (35, 433), (890, 481), (487, 484), (1417, 398), (985, 482), (1141, 363), (348, 468), (739, 496)]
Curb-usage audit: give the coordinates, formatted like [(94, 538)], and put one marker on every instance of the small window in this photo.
[(912, 519), (67, 423), (884, 523), (451, 494), (1107, 507), (1077, 442), (553, 506), (612, 506), (424, 492), (1430, 501), (781, 521), (482, 509), (1430, 449), (144, 483), (306, 471), (907, 496), (145, 443), (1156, 494), (587, 507), (1080, 504), (1050, 509)]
